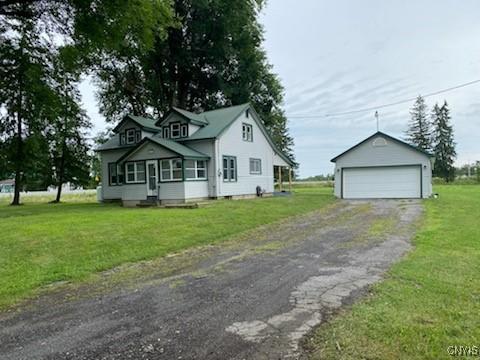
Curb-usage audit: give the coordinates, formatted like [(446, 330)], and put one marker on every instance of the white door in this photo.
[(152, 177), (382, 182)]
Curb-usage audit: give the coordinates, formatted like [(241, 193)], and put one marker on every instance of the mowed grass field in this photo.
[(429, 301), (43, 243)]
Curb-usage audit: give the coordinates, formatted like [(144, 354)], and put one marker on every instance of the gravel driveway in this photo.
[(249, 299)]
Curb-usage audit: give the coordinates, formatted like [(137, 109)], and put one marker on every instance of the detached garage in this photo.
[(383, 167)]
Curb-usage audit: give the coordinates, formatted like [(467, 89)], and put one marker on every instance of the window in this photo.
[(229, 168), (122, 139), (175, 128), (247, 113), (138, 136), (171, 170), (135, 172), (166, 132), (255, 166), (115, 174), (184, 130), (247, 132), (130, 134), (195, 170)]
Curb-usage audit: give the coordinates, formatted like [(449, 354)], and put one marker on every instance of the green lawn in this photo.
[(44, 243), (430, 300)]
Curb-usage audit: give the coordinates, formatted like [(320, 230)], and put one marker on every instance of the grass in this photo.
[(45, 243), (429, 301)]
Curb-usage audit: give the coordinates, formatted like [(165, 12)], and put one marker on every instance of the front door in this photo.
[(152, 178)]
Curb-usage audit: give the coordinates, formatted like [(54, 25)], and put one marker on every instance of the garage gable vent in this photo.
[(378, 142)]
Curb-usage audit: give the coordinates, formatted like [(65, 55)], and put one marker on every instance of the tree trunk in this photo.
[(19, 163), (61, 174)]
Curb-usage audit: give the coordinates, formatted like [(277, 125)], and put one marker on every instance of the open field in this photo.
[(429, 301), (45, 243)]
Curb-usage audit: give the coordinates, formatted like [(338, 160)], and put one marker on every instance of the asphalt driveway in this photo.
[(249, 299)]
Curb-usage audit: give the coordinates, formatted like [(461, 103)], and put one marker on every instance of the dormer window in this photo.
[(175, 128), (122, 139), (130, 135), (166, 132), (184, 130), (247, 132)]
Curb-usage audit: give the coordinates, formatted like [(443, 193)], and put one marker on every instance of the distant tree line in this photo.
[(146, 56), (434, 133)]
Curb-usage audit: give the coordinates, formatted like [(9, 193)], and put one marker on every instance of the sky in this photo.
[(337, 56)]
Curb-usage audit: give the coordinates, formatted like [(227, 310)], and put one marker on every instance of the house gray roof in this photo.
[(388, 137), (218, 121), (143, 122), (198, 119), (112, 143), (182, 150)]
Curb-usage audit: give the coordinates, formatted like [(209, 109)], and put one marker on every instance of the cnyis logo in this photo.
[(462, 350)]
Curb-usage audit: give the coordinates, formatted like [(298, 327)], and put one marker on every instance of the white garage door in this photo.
[(381, 182)]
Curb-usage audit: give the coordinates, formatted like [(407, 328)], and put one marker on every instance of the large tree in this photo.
[(443, 143), (24, 87), (419, 131), (66, 131), (210, 56)]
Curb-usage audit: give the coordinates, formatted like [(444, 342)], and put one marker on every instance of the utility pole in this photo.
[(376, 117)]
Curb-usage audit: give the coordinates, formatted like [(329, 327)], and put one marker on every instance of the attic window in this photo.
[(378, 142), (175, 128), (247, 113), (130, 133), (166, 132), (247, 132), (184, 130)]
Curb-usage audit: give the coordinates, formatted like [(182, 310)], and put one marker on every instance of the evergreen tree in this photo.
[(443, 143), (23, 89), (419, 129)]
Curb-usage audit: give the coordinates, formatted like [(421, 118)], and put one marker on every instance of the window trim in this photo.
[(117, 174), (250, 167), (135, 172), (133, 132), (170, 161), (228, 158), (172, 130), (246, 126), (166, 132), (183, 134), (195, 169)]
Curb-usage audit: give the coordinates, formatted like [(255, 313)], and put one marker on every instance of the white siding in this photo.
[(231, 143), (172, 190), (391, 154), (207, 147), (106, 157), (134, 192), (196, 189)]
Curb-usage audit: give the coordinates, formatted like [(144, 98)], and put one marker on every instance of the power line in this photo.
[(384, 105)]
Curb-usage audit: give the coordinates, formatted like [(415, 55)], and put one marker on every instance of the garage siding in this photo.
[(390, 153)]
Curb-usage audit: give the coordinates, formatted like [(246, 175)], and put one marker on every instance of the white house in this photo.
[(383, 167), (187, 156)]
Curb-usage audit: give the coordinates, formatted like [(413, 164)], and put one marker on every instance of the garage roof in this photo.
[(388, 137)]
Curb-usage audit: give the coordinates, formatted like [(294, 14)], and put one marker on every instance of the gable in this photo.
[(381, 149), (150, 150)]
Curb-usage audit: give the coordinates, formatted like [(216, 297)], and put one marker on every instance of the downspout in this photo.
[(217, 168)]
